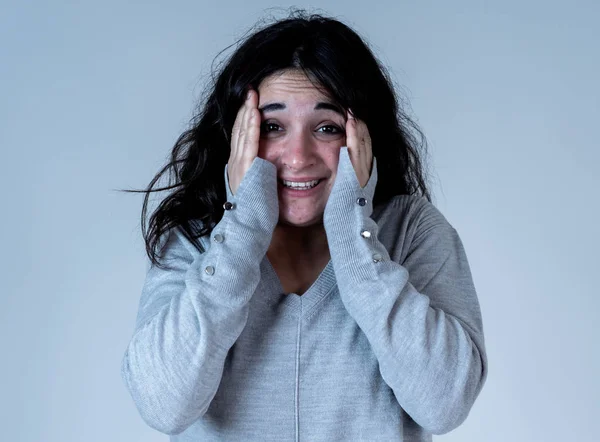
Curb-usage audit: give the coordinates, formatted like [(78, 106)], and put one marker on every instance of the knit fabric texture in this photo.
[(386, 345)]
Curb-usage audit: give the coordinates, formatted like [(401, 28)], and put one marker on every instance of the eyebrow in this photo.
[(321, 105)]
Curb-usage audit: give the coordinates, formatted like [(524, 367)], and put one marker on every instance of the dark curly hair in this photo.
[(328, 52)]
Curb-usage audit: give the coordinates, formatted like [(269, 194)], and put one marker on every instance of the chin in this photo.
[(295, 222)]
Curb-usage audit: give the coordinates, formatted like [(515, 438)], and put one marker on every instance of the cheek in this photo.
[(266, 151), (332, 160)]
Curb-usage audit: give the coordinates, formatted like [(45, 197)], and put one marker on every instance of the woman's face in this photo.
[(302, 132)]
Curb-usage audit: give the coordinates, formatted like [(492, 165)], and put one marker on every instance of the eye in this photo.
[(331, 129), (269, 127)]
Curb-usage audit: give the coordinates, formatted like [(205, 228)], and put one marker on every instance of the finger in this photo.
[(361, 148), (243, 132), (363, 136), (250, 141), (235, 133), (351, 134), (364, 151), (369, 150), (253, 128)]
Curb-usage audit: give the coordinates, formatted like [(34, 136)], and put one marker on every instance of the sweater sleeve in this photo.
[(192, 313), (429, 342)]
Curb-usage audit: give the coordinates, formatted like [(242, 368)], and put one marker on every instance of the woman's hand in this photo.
[(360, 150), (245, 136)]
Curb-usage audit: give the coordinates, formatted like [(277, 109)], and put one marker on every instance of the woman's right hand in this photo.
[(244, 140)]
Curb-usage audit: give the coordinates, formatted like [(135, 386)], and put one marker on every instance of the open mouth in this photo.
[(305, 186)]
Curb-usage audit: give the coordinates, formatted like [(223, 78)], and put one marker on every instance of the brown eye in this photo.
[(331, 129), (269, 127)]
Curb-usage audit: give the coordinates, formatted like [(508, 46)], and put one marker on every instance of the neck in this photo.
[(290, 244)]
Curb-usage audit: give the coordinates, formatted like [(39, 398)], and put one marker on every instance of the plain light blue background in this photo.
[(94, 94)]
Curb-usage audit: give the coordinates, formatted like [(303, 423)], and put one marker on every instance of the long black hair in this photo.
[(328, 52)]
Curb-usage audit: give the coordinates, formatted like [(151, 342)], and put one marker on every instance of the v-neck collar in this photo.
[(297, 305)]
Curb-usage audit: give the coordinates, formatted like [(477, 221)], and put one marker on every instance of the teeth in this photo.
[(295, 185)]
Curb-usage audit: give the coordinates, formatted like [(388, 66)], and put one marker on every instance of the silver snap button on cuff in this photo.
[(377, 257), (209, 270), (218, 238)]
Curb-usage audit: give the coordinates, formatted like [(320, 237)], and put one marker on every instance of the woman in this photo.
[(307, 288)]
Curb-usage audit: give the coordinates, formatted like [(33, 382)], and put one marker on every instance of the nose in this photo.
[(299, 152)]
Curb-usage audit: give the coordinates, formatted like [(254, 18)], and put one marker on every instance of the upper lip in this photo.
[(301, 180)]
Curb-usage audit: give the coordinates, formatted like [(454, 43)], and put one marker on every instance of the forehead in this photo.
[(291, 83)]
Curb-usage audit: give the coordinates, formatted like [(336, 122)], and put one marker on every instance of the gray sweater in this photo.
[(386, 345)]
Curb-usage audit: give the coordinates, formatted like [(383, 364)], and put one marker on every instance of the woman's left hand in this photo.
[(358, 142)]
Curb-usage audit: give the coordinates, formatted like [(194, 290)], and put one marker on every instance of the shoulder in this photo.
[(178, 246), (411, 209), (406, 221)]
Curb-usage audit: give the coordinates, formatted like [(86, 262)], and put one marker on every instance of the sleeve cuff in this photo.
[(256, 203), (346, 190)]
